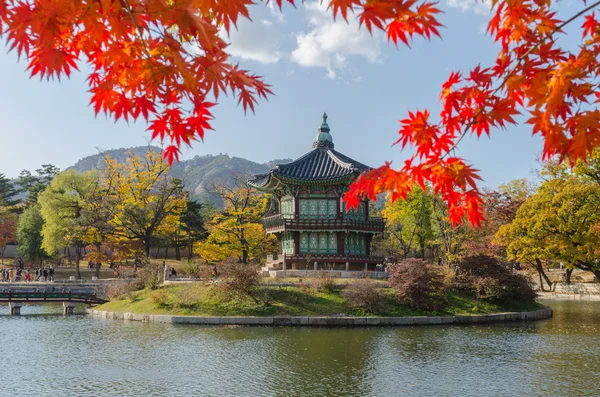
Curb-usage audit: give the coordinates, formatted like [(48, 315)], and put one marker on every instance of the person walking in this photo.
[(51, 273), (27, 276)]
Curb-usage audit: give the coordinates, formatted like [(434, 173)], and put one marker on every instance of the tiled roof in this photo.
[(321, 164)]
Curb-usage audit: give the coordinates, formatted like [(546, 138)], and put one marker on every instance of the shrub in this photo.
[(264, 295), (323, 282), (238, 278), (192, 269), (364, 294), (206, 272), (418, 285), (151, 273), (186, 298), (160, 298), (489, 278), (122, 289)]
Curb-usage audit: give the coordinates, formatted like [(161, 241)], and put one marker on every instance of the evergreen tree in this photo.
[(194, 219), (33, 185), (7, 192), (29, 234)]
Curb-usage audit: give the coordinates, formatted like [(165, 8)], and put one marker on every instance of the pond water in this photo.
[(45, 354)]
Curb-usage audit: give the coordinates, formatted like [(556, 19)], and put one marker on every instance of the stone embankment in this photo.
[(573, 291), (341, 321)]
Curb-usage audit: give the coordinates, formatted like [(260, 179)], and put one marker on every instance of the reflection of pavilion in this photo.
[(311, 224)]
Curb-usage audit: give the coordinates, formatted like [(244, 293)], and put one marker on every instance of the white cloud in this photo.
[(275, 12), (480, 7), (329, 44), (256, 41)]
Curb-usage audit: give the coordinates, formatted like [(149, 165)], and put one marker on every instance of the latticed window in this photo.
[(287, 207), (332, 243), (322, 207), (323, 243), (288, 243), (303, 207), (332, 208), (314, 208), (314, 243), (303, 242)]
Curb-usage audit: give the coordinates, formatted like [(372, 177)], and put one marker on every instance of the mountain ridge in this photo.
[(198, 173)]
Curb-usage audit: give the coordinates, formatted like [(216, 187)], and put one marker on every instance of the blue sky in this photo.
[(314, 64)]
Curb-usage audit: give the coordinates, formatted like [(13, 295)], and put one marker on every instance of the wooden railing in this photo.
[(278, 222), (10, 295), (333, 258)]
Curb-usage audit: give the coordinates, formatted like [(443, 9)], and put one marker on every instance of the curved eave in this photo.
[(265, 182)]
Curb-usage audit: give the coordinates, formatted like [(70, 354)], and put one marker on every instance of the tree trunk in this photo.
[(541, 282), (190, 246), (244, 256), (568, 276), (540, 269), (166, 252), (77, 259), (147, 246), (177, 246), (98, 247)]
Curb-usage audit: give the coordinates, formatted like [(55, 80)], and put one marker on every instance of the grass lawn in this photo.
[(198, 299)]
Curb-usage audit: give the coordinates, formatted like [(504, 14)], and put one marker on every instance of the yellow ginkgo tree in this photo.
[(145, 199), (560, 223), (237, 231)]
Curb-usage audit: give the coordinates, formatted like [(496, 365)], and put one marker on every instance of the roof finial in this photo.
[(323, 138), (324, 126)]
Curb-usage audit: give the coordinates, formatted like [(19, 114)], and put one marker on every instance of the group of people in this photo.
[(20, 274), (168, 271), (94, 264)]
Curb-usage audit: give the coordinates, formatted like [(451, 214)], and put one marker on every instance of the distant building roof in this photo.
[(322, 164)]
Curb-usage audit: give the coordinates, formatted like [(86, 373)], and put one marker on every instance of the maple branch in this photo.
[(141, 36), (513, 70)]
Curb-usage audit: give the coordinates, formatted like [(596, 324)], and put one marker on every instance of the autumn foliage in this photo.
[(164, 61)]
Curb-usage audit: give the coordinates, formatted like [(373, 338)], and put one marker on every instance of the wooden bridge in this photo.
[(15, 297)]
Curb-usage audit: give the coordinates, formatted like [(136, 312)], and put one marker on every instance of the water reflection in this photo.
[(54, 355)]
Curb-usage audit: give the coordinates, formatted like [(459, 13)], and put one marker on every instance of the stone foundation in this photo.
[(542, 314)]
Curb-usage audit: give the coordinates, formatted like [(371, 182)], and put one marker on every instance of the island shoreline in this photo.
[(328, 321)]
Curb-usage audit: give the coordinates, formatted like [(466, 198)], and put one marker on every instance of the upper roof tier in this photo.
[(322, 165)]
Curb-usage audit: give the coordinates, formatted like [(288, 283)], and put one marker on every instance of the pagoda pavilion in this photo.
[(314, 230)]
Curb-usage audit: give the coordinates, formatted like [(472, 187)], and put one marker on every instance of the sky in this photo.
[(314, 65)]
